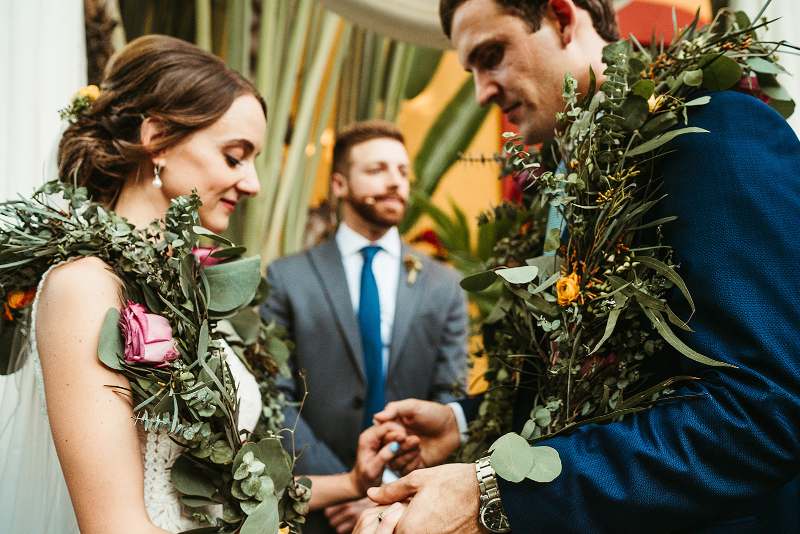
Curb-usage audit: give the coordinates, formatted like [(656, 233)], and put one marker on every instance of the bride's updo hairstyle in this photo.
[(179, 85)]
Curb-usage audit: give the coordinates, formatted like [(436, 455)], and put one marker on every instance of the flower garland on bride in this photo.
[(184, 308), (573, 329)]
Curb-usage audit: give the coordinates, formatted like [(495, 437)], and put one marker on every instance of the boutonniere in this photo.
[(413, 267)]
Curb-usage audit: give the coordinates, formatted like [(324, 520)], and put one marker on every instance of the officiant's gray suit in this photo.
[(427, 357)]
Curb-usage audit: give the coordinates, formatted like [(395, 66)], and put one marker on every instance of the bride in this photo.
[(170, 119)]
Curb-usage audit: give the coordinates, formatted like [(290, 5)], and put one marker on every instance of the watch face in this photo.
[(493, 518)]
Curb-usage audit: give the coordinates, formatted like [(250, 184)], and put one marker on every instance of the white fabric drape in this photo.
[(42, 64), (783, 29), (411, 21)]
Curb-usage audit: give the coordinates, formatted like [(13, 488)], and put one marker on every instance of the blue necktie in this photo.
[(369, 322)]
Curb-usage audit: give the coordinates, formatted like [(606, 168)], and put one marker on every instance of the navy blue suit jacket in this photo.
[(728, 460)]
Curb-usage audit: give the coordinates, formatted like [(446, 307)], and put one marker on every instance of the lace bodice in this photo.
[(159, 452)]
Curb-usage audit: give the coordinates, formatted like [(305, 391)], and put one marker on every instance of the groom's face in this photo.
[(376, 186), (520, 70)]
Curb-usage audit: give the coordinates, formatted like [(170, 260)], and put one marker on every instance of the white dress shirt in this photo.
[(385, 267)]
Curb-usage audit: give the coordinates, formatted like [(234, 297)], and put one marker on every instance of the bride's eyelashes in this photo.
[(232, 162)]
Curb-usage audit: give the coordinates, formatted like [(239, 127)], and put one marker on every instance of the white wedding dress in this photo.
[(33, 494)]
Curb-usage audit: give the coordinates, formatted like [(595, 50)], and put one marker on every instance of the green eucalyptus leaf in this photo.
[(511, 458), (635, 110), (263, 518), (721, 73), (251, 485), (700, 101), (542, 417), (111, 348), (233, 284), (518, 275), (658, 124), (693, 78), (546, 464), (777, 92), (278, 350), (246, 324), (644, 88), (189, 480), (759, 64), (478, 281)]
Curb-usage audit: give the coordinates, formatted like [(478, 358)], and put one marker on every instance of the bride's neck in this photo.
[(141, 203)]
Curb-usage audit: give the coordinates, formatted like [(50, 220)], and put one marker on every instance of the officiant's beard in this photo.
[(369, 208)]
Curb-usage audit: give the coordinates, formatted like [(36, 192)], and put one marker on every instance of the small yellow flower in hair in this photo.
[(568, 289), (91, 92)]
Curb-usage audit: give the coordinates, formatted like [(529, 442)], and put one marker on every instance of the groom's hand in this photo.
[(444, 500), (433, 424)]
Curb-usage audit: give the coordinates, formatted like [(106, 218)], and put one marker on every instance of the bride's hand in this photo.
[(380, 520)]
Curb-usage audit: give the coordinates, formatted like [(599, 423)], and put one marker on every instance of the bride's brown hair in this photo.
[(179, 85)]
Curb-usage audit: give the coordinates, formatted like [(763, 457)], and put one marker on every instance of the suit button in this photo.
[(358, 402)]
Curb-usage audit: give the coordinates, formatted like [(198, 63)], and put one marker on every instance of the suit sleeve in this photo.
[(686, 463), (314, 456), (451, 357)]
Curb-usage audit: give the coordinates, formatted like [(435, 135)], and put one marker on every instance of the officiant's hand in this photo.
[(443, 500), (435, 426), (377, 445)]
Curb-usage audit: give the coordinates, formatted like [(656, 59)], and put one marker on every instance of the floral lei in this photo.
[(179, 385), (574, 329)]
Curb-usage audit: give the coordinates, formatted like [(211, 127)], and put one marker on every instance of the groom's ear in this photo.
[(339, 185)]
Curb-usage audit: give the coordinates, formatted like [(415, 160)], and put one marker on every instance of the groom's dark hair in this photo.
[(357, 133), (532, 11)]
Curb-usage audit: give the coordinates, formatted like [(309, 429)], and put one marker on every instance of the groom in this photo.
[(727, 460), (372, 320)]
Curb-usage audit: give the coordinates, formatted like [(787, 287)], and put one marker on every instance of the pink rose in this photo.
[(204, 258), (148, 337)]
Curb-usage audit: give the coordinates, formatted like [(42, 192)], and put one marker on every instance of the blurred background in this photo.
[(320, 64)]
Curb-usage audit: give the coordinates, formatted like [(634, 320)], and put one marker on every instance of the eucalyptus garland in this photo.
[(574, 329), (180, 382)]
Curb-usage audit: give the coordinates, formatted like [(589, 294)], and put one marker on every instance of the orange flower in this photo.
[(19, 299), (568, 289)]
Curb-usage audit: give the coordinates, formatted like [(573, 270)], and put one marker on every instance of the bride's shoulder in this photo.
[(78, 290), (88, 275)]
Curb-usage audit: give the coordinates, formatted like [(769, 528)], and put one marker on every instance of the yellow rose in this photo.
[(568, 289), (91, 92)]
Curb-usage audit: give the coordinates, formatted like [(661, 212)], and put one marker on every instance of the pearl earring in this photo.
[(157, 183)]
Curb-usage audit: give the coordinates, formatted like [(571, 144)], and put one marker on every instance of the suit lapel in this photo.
[(328, 263), (408, 298)]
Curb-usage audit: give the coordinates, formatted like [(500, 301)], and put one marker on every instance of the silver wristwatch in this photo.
[(492, 516)]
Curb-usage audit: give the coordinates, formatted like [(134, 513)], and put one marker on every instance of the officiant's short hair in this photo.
[(532, 11), (357, 133)]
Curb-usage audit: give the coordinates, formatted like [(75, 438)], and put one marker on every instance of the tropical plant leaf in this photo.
[(670, 337), (662, 139)]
